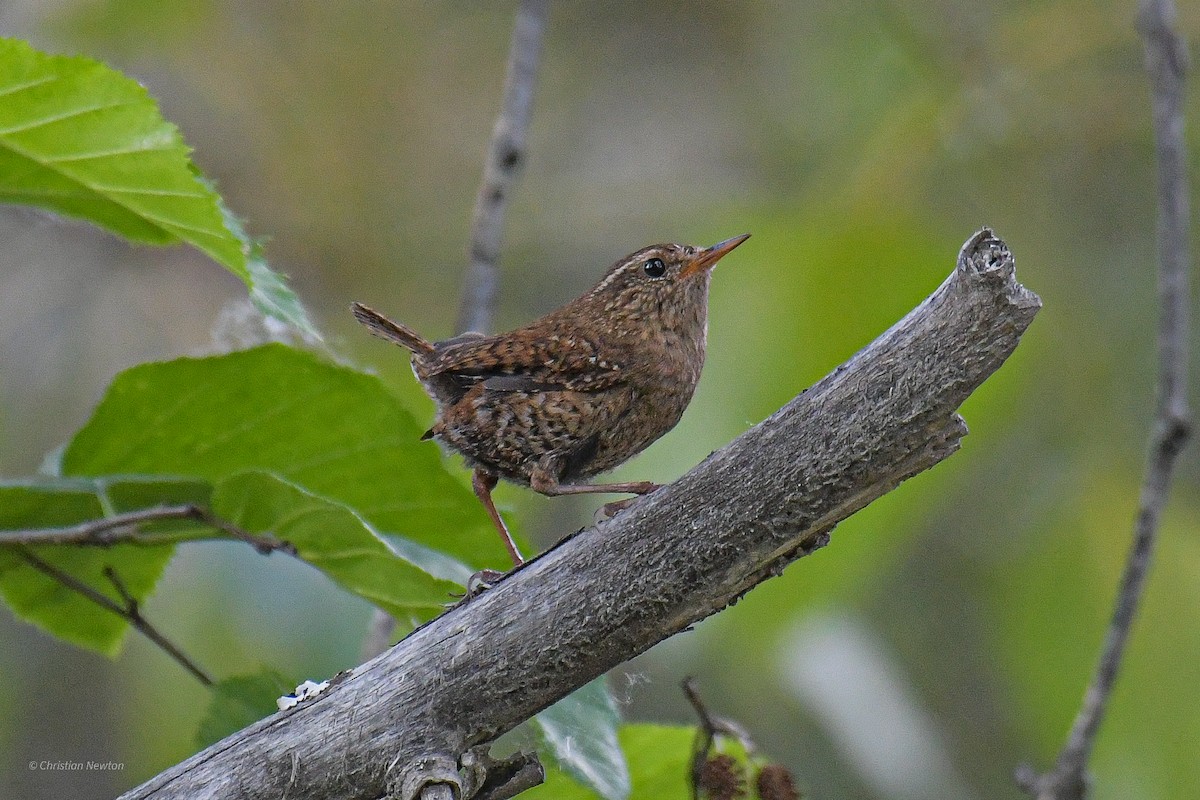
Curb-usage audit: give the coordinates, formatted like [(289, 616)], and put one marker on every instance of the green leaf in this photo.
[(46, 602), (659, 766), (81, 139), (336, 432), (581, 733), (240, 701), (335, 540), (268, 290)]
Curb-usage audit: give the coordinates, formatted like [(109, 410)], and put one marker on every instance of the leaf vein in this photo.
[(116, 151), (338, 455), (167, 226), (149, 192), (20, 87), (78, 112), (251, 422)]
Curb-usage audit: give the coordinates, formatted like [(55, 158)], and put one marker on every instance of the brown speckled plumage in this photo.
[(579, 391)]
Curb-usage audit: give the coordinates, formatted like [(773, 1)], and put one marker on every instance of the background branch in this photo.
[(706, 733), (130, 612), (1166, 63), (506, 154), (672, 558), (124, 527)]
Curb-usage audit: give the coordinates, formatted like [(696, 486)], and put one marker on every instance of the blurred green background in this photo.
[(947, 633)]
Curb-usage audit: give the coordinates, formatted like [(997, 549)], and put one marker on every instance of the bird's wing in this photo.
[(538, 364)]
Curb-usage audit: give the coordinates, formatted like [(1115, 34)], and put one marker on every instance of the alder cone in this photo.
[(775, 783)]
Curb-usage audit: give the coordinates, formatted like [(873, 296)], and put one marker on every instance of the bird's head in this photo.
[(669, 281)]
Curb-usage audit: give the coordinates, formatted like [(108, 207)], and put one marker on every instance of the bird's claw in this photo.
[(610, 510), (477, 584), (483, 580)]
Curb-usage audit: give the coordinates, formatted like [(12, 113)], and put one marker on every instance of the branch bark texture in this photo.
[(674, 557), (1166, 65)]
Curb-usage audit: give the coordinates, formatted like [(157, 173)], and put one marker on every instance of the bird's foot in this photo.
[(483, 580), (477, 584), (610, 510)]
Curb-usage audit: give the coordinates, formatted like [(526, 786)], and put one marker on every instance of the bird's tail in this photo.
[(384, 328)]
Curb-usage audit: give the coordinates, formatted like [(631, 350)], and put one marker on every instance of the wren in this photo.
[(579, 391)]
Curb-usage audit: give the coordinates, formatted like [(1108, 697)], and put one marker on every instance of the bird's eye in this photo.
[(654, 268)]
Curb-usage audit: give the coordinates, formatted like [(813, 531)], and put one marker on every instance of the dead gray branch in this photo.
[(677, 556)]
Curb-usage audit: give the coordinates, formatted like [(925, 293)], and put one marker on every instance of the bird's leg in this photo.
[(483, 482), (543, 482)]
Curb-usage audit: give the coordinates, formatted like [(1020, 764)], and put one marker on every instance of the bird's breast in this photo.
[(660, 381)]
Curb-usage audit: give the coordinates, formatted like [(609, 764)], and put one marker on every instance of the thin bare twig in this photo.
[(710, 728), (120, 528), (379, 634), (125, 528), (1166, 63), (506, 153), (130, 611), (704, 736)]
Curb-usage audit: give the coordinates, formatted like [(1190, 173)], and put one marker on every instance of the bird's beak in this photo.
[(706, 259)]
